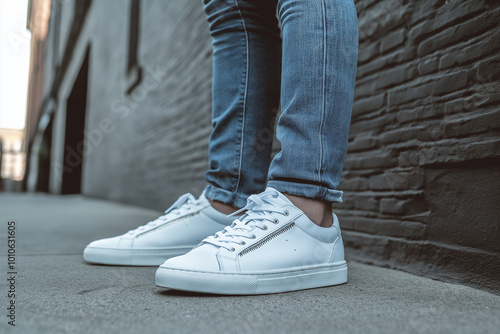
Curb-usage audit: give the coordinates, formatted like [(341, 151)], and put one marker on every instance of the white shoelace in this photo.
[(185, 203), (259, 210)]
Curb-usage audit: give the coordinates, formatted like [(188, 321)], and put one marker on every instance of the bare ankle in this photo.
[(223, 207), (319, 212)]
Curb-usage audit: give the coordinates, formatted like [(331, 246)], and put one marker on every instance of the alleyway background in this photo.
[(117, 128)]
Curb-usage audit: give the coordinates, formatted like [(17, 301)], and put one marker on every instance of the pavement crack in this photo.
[(84, 292)]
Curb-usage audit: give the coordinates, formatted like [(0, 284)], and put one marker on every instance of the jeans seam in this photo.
[(244, 96), (320, 170)]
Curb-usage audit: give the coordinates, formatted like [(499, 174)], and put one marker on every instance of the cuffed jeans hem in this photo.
[(307, 190), (225, 196)]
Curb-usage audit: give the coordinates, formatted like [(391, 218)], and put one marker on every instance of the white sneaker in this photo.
[(182, 227), (273, 247)]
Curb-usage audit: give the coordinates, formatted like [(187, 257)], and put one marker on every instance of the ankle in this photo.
[(319, 212), (222, 207)]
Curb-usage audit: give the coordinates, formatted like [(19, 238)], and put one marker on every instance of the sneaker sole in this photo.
[(128, 257), (252, 283)]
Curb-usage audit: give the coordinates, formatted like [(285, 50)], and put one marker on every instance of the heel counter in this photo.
[(338, 247)]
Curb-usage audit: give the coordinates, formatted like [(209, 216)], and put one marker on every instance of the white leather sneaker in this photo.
[(273, 247), (182, 227)]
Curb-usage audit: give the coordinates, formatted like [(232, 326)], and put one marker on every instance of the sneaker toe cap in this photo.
[(114, 243), (199, 259)]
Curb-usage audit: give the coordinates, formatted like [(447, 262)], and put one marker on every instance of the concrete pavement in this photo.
[(57, 292)]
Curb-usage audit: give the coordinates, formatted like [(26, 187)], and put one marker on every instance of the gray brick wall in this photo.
[(421, 178), (421, 175)]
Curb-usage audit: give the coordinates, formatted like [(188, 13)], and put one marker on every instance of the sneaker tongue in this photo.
[(281, 198)]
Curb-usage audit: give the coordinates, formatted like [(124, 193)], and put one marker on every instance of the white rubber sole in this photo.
[(252, 283), (131, 257)]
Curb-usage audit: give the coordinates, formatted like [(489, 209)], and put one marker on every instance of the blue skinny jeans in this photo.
[(299, 55)]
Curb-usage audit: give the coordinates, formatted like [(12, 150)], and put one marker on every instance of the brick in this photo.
[(396, 57), (447, 15), (390, 77), (347, 202), (398, 15), (363, 224), (419, 31), (397, 180), (391, 228), (428, 66), (366, 105), (368, 52), (408, 115), (472, 123), (452, 153), (362, 5), (364, 203), (456, 11), (364, 89), (387, 227), (346, 223), (371, 124), (402, 134), (413, 230), (356, 183), (408, 94), (416, 205), (423, 10), (381, 19), (371, 161), (420, 113), (394, 39), (362, 144), (483, 95), (465, 55), (450, 83), (488, 70), (396, 76), (458, 33), (409, 158), (391, 206), (458, 105)]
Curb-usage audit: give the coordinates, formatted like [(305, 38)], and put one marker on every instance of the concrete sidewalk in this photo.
[(57, 292)]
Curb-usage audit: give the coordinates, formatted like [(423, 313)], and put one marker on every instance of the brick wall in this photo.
[(421, 178)]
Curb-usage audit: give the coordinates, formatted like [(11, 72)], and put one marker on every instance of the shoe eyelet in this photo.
[(254, 236), (276, 221), (287, 213), (265, 227), (243, 243), (232, 249)]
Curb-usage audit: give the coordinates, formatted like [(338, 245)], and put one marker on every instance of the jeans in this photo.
[(308, 68)]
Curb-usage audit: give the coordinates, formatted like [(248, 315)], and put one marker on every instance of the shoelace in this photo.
[(259, 209), (185, 202)]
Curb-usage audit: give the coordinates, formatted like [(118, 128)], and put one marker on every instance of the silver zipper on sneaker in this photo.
[(271, 236)]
